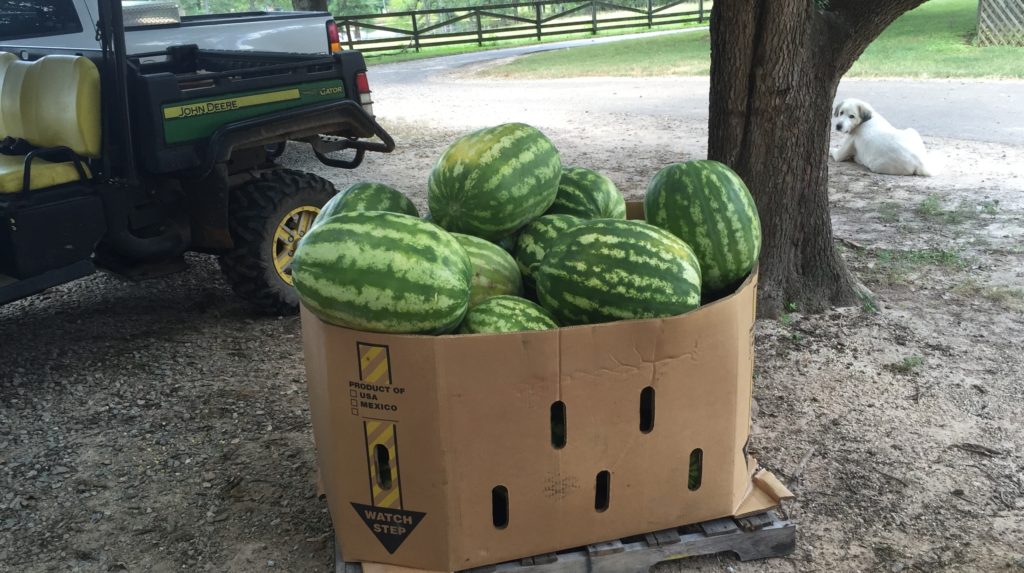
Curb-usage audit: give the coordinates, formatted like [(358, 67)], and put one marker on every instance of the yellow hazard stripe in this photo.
[(383, 434), (379, 374), (373, 364), (229, 104), (388, 500), (369, 353)]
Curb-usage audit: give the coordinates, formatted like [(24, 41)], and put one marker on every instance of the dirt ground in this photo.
[(160, 426)]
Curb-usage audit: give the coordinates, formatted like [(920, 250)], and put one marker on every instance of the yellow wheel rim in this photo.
[(292, 227)]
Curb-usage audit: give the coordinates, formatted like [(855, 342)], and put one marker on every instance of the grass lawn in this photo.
[(933, 41), (686, 54), (383, 56)]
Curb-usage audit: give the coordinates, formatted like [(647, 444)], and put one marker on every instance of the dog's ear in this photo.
[(865, 112)]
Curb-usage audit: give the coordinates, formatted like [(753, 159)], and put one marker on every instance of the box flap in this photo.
[(766, 492), (768, 483)]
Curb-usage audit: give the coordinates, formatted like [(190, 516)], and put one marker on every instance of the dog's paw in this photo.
[(834, 154)]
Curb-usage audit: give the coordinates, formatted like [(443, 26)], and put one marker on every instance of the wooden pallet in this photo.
[(755, 537)]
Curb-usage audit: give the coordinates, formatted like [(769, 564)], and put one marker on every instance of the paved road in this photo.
[(415, 71), (974, 110)]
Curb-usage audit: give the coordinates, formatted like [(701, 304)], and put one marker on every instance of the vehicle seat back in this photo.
[(11, 80), (52, 102), (6, 58)]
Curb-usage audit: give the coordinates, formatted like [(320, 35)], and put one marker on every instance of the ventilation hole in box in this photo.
[(604, 491), (382, 459), (696, 469), (647, 410), (499, 506), (558, 425)]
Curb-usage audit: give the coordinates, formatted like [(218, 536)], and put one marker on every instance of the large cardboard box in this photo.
[(450, 452)]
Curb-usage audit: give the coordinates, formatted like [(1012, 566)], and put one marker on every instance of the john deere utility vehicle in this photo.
[(127, 161)]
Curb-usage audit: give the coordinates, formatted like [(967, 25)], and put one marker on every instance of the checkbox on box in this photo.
[(354, 403), (355, 411), (352, 393)]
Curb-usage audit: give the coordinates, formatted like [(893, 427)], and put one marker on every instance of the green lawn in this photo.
[(686, 54), (406, 54), (933, 41)]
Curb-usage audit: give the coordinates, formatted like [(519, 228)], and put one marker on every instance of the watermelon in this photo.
[(536, 238), (589, 195), (494, 271), (706, 204), (610, 269), (506, 313), (367, 197), (493, 181), (383, 272)]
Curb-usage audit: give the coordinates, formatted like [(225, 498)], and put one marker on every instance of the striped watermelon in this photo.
[(707, 205), (367, 197), (609, 269), (383, 272), (494, 270), (493, 181), (506, 313), (589, 195), (536, 238)]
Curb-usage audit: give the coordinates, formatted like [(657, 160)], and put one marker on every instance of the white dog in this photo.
[(876, 144)]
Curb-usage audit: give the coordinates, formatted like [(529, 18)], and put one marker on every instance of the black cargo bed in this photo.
[(184, 97)]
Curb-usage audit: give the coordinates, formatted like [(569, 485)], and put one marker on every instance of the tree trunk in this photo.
[(775, 67), (310, 5)]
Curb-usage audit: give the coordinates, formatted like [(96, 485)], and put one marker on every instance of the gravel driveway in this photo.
[(160, 426)]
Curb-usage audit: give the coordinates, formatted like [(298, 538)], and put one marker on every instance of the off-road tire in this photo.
[(255, 211)]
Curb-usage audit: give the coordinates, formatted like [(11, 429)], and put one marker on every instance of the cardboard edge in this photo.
[(444, 430), (766, 492), (744, 321), (752, 276), (321, 490), (768, 483), (381, 568)]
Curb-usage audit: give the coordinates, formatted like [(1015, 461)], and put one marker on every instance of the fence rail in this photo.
[(542, 18)]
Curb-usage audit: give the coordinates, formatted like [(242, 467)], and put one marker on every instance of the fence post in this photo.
[(479, 30), (348, 34), (700, 18), (415, 33), (593, 17), (650, 13), (538, 11)]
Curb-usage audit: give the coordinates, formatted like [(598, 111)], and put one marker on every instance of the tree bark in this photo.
[(775, 67), (310, 5)]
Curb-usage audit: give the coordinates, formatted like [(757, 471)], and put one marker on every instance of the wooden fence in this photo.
[(1001, 23), (538, 19)]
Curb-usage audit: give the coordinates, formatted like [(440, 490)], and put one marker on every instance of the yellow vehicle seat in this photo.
[(52, 102), (10, 98)]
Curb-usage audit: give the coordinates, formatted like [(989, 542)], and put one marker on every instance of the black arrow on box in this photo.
[(390, 526)]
